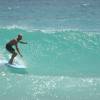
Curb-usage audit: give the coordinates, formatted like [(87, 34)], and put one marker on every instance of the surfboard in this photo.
[(14, 65), (17, 63)]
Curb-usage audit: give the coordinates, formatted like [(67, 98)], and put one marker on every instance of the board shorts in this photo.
[(10, 48)]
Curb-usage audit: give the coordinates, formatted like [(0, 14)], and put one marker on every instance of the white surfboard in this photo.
[(16, 65)]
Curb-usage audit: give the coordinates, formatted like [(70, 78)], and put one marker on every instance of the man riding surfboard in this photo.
[(14, 42)]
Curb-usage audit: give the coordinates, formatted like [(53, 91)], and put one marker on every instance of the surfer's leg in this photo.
[(12, 58)]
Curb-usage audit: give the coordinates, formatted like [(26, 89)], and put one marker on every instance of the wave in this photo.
[(44, 30), (60, 52)]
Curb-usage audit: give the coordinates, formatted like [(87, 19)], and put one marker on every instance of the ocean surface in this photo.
[(63, 51)]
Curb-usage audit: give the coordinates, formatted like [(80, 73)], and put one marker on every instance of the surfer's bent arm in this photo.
[(18, 50), (23, 42)]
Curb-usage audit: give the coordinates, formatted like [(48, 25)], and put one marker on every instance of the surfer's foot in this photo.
[(10, 62)]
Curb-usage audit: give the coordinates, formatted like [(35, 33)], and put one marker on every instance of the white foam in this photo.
[(3, 62), (18, 60)]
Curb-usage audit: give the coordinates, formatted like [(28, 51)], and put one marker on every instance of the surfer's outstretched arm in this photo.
[(23, 42)]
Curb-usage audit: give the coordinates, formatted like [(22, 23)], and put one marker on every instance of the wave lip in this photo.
[(44, 30)]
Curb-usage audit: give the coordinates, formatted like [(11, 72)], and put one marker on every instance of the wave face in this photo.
[(61, 65), (58, 52)]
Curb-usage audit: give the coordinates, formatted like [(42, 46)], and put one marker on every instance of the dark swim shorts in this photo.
[(9, 48)]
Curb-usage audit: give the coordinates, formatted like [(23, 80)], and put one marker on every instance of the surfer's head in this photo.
[(19, 37)]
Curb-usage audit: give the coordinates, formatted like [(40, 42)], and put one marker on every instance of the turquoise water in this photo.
[(61, 65), (63, 51)]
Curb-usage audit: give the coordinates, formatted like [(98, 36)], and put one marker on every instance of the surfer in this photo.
[(14, 42)]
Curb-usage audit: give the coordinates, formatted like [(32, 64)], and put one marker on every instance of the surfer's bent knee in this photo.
[(15, 54)]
